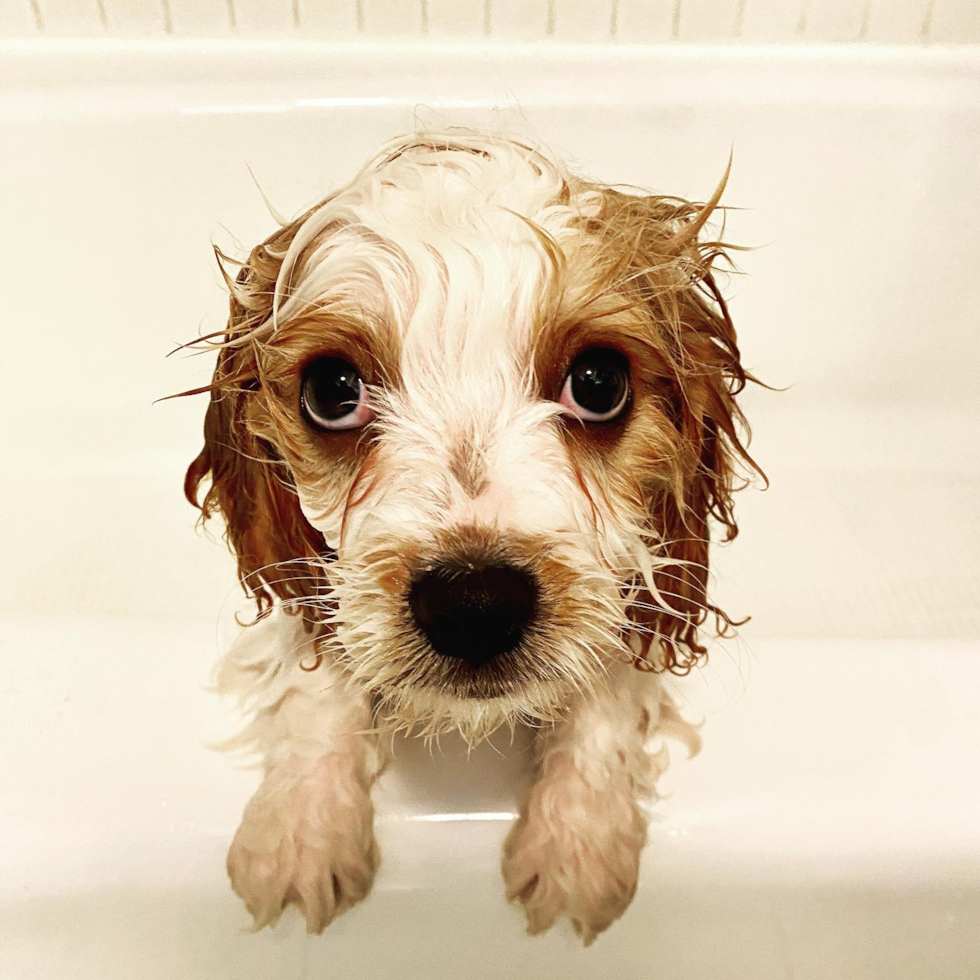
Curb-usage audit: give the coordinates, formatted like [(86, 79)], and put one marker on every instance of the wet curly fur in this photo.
[(462, 273)]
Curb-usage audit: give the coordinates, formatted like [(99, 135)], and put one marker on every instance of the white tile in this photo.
[(708, 20), (135, 17), (201, 18), (897, 21), (527, 19), (645, 21), (327, 18), (583, 20), (955, 22), (18, 18), (771, 20), (457, 18), (71, 17), (392, 18), (835, 20), (264, 18)]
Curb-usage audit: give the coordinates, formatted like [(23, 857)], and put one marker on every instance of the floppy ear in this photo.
[(696, 337), (678, 604), (277, 549), (252, 489)]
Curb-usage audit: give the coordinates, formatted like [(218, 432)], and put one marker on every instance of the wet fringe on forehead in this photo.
[(259, 286)]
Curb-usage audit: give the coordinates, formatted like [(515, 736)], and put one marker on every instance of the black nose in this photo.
[(473, 614)]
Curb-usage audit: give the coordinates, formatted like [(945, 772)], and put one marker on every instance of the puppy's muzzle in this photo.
[(472, 612)]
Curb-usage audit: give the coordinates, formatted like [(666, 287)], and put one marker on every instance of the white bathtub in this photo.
[(831, 828)]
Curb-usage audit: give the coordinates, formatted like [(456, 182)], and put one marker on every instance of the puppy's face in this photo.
[(471, 414)]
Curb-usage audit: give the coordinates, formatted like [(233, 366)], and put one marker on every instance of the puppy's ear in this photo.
[(678, 605), (250, 485), (696, 339)]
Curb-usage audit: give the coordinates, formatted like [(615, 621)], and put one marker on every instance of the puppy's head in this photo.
[(472, 415)]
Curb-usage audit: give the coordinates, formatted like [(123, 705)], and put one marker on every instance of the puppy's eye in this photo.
[(333, 396), (598, 385)]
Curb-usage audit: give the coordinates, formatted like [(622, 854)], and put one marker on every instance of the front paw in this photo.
[(574, 851), (306, 838)]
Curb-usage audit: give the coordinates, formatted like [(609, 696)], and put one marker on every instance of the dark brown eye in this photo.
[(333, 395), (598, 385)]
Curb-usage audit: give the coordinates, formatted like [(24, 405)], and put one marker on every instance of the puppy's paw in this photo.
[(306, 838), (575, 851)]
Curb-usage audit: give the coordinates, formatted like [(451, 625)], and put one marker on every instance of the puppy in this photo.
[(470, 418)]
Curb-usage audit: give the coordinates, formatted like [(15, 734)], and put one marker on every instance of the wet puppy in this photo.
[(470, 418)]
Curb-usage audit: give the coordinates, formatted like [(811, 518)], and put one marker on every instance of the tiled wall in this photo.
[(642, 21)]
